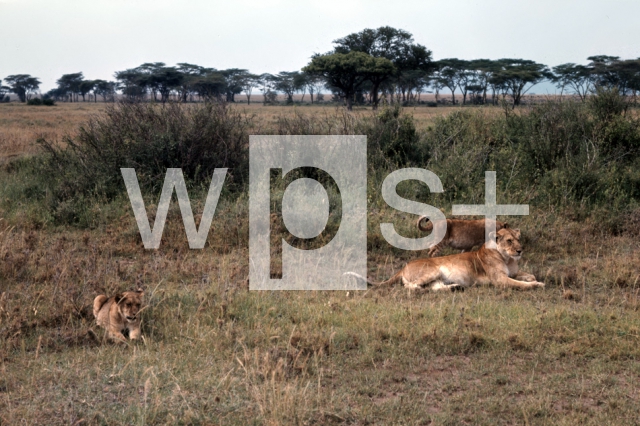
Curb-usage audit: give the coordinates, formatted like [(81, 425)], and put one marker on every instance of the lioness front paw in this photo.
[(539, 284)]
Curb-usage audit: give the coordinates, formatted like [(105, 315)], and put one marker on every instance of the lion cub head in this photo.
[(508, 243), (129, 304)]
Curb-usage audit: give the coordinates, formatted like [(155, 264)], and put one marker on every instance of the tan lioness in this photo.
[(497, 266), (118, 313), (461, 234)]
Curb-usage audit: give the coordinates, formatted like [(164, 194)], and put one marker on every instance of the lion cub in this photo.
[(119, 313), (462, 234)]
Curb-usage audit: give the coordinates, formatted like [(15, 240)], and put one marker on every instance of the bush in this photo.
[(39, 101), (151, 139)]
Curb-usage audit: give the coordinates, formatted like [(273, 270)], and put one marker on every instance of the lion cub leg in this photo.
[(435, 250), (134, 331), (116, 335)]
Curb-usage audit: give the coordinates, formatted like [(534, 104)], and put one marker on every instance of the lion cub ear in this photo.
[(505, 226), (118, 297), (140, 292), (516, 232)]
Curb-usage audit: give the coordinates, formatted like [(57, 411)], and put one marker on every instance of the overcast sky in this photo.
[(48, 38)]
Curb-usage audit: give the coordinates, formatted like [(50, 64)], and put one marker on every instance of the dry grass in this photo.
[(215, 353)]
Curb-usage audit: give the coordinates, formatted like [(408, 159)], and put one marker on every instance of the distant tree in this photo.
[(70, 84), (285, 82), (348, 71), (482, 69), (85, 87), (300, 83), (211, 86), (518, 76), (449, 74), (23, 85), (130, 82), (233, 79), (577, 78), (3, 91), (165, 80), (248, 82), (397, 46), (614, 73), (190, 74), (104, 88), (315, 84), (267, 81)]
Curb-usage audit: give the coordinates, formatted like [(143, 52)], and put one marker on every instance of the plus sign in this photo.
[(490, 209)]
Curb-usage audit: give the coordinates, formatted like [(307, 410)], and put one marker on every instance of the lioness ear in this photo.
[(517, 233), (118, 297), (505, 226)]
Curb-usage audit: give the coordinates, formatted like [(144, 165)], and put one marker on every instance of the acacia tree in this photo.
[(285, 82), (23, 85), (3, 91), (70, 84), (518, 76), (395, 45), (211, 85), (248, 82), (85, 87), (349, 71), (190, 73), (577, 78), (104, 88), (448, 75), (267, 81), (314, 83)]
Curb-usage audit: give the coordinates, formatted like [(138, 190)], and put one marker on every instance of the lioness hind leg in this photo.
[(439, 285), (523, 276), (505, 281)]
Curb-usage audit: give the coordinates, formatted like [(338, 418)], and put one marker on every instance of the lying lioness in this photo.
[(119, 313), (461, 234), (498, 266)]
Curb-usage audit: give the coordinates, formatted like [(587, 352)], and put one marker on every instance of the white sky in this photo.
[(48, 38)]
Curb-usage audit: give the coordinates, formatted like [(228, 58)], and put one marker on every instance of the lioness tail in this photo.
[(394, 279)]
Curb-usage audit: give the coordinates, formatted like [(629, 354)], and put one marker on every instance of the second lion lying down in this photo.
[(497, 266)]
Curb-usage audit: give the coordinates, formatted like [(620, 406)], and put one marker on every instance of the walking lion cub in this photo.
[(119, 313)]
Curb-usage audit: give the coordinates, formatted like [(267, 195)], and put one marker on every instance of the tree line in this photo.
[(374, 65)]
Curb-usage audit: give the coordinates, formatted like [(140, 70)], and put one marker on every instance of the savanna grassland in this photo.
[(216, 353)]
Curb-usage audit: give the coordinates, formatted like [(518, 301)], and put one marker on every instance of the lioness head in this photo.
[(508, 243), (129, 304)]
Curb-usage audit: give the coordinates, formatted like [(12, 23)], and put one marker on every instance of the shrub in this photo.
[(149, 138), (39, 101)]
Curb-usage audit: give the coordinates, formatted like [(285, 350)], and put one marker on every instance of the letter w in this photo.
[(173, 179)]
